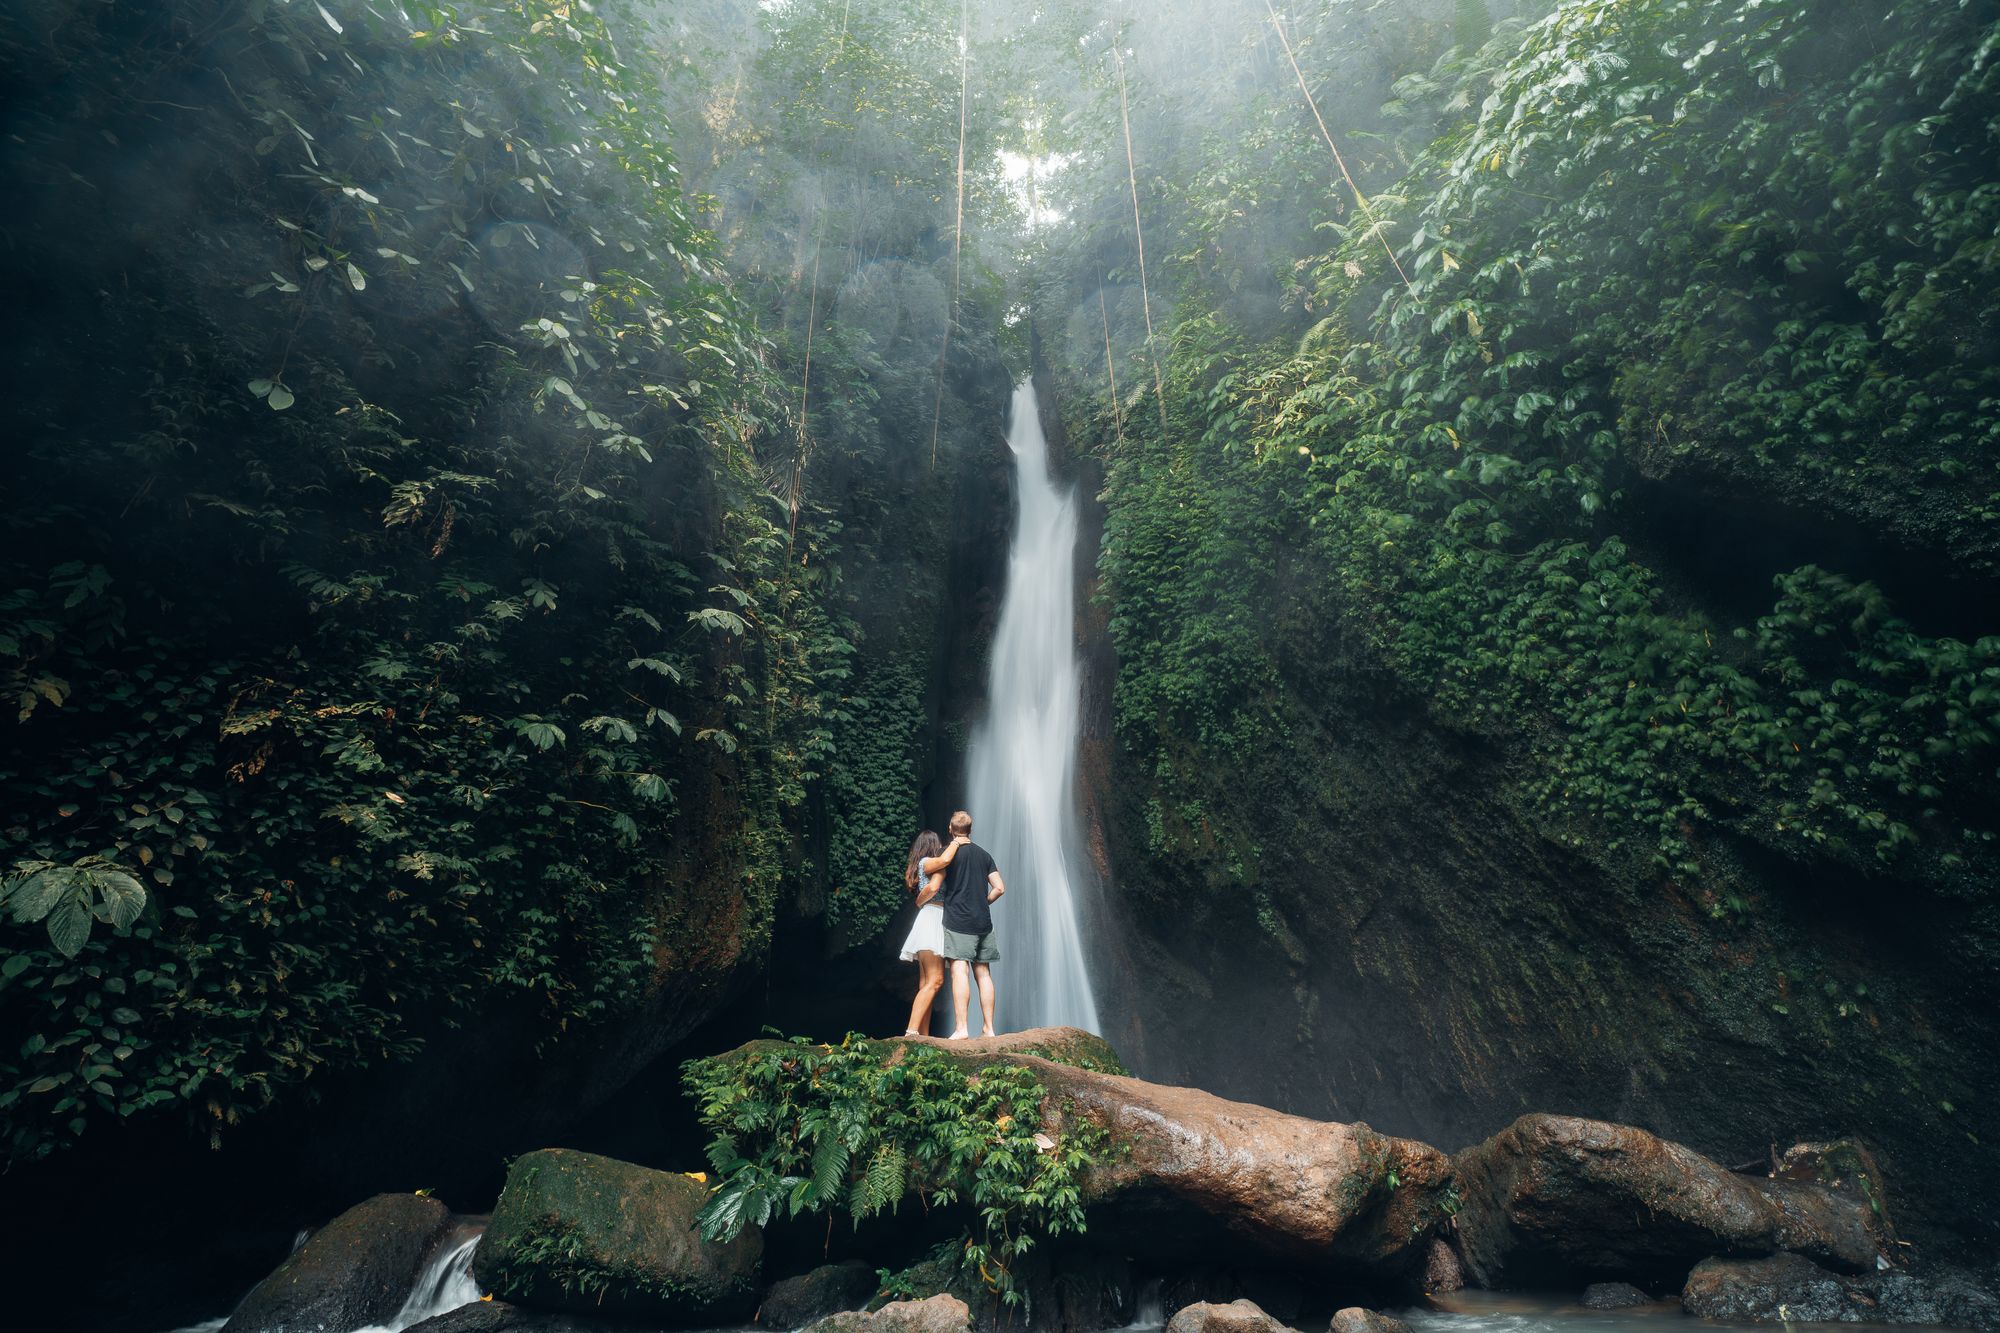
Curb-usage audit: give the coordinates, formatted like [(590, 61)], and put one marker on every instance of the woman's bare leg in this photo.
[(930, 979)]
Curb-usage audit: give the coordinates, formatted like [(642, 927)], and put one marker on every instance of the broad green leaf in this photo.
[(715, 617), (35, 897), (123, 898), (69, 927)]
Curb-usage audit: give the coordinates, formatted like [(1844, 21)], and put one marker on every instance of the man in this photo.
[(971, 886)]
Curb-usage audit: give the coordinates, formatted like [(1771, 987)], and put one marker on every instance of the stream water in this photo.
[(1021, 775), (1529, 1312), (445, 1284)]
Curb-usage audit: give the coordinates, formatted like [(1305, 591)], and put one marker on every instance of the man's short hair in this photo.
[(961, 825)]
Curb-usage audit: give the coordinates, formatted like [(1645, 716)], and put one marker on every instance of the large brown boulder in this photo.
[(575, 1231), (1355, 1319), (1283, 1186), (1238, 1316), (354, 1272), (1556, 1196), (1193, 1170), (935, 1314)]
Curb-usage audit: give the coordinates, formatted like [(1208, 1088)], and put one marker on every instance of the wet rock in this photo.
[(1557, 1196), (935, 1314), (501, 1317), (1612, 1296), (1280, 1185), (1059, 1045), (575, 1231), (1844, 1166), (1443, 1273), (1070, 1291), (1953, 1300), (353, 1272), (1790, 1289), (1354, 1319), (1784, 1286), (1238, 1316), (829, 1289), (1196, 1173), (1077, 1292)]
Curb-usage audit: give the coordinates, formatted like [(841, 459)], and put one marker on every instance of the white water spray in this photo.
[(444, 1284), (1022, 771)]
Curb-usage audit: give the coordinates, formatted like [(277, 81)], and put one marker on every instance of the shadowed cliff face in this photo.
[(1438, 792), (1419, 952)]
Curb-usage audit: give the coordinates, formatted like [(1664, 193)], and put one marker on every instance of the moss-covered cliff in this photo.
[(1557, 669)]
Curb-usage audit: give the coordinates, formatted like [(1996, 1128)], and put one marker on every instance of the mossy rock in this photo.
[(1059, 1045), (575, 1231), (353, 1272)]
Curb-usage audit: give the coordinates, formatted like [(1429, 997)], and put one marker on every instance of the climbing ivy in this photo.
[(396, 585), (1740, 250)]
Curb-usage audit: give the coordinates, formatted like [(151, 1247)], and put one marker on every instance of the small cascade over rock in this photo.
[(1022, 771), (382, 1266), (445, 1283)]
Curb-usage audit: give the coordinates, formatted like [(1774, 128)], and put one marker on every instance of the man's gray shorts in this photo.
[(970, 948)]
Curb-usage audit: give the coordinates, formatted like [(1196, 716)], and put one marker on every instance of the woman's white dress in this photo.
[(926, 933)]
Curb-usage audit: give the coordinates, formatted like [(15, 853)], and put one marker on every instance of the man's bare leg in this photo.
[(960, 996), (984, 971)]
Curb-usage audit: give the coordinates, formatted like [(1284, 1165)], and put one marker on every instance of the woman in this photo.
[(924, 877)]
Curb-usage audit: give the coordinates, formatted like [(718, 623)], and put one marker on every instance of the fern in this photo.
[(829, 1167), (881, 1185), (804, 1128)]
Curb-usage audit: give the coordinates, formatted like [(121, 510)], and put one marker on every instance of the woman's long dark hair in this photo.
[(927, 844)]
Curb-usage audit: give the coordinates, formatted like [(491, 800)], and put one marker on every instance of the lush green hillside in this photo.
[(422, 594), (1579, 656)]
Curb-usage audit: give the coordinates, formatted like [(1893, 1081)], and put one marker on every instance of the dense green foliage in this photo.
[(486, 501), (798, 1128), (419, 577), (1744, 250), (384, 675)]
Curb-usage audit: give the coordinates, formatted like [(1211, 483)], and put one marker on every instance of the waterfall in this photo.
[(444, 1284), (1021, 776)]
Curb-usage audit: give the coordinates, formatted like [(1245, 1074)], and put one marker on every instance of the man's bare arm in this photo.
[(995, 886)]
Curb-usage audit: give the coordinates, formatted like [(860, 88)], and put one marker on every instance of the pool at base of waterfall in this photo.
[(447, 1286)]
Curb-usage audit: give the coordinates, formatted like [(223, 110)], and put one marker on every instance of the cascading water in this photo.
[(444, 1284), (1021, 776)]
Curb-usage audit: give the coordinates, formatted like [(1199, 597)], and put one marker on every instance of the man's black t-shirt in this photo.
[(964, 893)]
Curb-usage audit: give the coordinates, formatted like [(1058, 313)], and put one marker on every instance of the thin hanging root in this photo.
[(1374, 224), (1111, 371), (1139, 232), (957, 226), (795, 496), (798, 487)]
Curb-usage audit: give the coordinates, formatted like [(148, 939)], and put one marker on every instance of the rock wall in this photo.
[(1419, 949)]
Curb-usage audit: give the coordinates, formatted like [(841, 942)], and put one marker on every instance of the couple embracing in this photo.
[(956, 885)]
